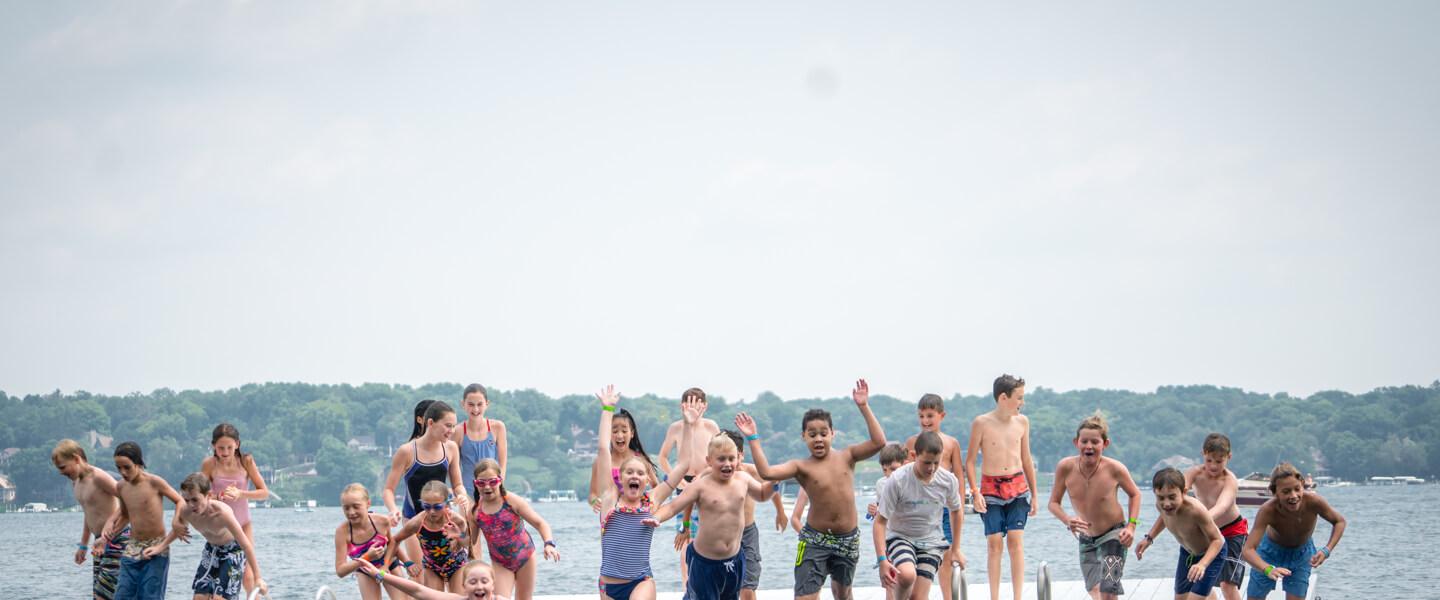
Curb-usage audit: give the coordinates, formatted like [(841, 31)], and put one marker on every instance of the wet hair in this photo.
[(1005, 384), (435, 412), (131, 450), (225, 430), (738, 439), (698, 393), (635, 445), (475, 564), (356, 488), (1216, 443), (1096, 422), (196, 482), (419, 426), (66, 450), (929, 442), (932, 402), (816, 414), (487, 464), (1282, 471), (720, 442), (1168, 477), (894, 452), (435, 486), (474, 388)]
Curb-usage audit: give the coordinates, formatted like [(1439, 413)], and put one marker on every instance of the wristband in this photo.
[(1149, 539), (608, 408), (463, 534), (1326, 550), (380, 576), (1266, 572), (87, 547), (881, 559), (752, 437), (409, 563), (551, 543), (1134, 521)]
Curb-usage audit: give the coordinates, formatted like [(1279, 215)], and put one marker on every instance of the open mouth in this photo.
[(634, 486)]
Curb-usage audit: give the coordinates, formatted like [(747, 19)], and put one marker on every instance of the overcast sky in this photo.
[(737, 196)]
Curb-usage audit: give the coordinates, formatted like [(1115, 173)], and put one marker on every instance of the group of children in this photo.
[(915, 536)]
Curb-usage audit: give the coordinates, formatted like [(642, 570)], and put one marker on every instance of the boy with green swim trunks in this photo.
[(1286, 523), (830, 539), (95, 492), (1002, 497)]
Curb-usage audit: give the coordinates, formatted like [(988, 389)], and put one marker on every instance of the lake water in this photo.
[(297, 549)]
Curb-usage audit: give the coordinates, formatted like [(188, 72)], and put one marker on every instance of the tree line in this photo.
[(1387, 431)]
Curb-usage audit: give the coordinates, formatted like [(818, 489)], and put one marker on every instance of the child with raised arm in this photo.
[(624, 537), (443, 533), (1103, 530), (1202, 549), (502, 518), (476, 578), (95, 492), (363, 538), (1284, 548), (931, 412), (908, 543), (1215, 486), (142, 507), (830, 540), (750, 539), (231, 474), (227, 551), (706, 430), (1003, 496), (624, 445), (716, 558)]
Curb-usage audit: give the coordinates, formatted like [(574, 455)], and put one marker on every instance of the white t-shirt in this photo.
[(912, 507)]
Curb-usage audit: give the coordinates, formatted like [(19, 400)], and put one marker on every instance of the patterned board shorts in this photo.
[(222, 570), (106, 567)]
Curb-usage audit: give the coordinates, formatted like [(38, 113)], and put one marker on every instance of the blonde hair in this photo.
[(435, 486), (644, 466), (1096, 422), (476, 564), (356, 488), (67, 449), (720, 442)]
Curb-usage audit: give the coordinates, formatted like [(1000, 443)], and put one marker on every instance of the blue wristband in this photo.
[(84, 547), (752, 437), (1326, 551)]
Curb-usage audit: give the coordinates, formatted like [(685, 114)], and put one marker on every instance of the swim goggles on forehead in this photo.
[(488, 482)]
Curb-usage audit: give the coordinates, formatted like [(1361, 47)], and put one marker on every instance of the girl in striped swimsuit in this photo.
[(624, 539)]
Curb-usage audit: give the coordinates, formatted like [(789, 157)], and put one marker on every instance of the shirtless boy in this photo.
[(830, 540), (227, 549), (1003, 496), (1202, 548), (142, 507), (750, 540), (1215, 486), (1287, 521), (932, 413), (716, 559), (1103, 530), (95, 492), (705, 430)]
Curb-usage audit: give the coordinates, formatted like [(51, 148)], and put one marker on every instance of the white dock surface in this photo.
[(1138, 589)]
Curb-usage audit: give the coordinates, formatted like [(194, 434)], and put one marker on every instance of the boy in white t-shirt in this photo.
[(907, 529)]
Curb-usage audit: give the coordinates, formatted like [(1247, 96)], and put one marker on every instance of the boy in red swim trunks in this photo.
[(1003, 497)]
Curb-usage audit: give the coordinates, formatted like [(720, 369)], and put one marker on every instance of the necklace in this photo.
[(1092, 473)]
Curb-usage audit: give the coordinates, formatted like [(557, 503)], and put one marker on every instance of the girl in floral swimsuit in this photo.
[(444, 539), (502, 520)]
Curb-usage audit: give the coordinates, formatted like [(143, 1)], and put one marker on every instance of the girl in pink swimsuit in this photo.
[(362, 540), (231, 472), (502, 518)]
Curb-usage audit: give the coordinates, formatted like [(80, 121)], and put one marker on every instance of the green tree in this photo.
[(35, 478), (336, 466)]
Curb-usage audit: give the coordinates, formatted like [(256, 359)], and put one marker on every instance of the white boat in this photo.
[(1382, 481), (560, 496), (305, 506), (1408, 480), (36, 507), (1255, 489)]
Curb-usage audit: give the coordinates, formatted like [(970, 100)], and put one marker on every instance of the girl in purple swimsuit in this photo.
[(502, 518)]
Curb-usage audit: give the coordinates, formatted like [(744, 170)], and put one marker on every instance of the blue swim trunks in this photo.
[(1297, 560), (714, 579), (1183, 585), (1000, 518)]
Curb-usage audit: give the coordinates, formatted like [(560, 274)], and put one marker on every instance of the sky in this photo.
[(743, 197)]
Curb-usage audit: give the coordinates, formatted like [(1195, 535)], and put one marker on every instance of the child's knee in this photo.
[(995, 542), (905, 575)]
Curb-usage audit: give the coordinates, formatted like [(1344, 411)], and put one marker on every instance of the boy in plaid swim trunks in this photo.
[(227, 550), (830, 539)]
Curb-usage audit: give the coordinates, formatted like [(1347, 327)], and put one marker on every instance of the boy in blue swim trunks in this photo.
[(1287, 522), (1003, 496), (1202, 548)]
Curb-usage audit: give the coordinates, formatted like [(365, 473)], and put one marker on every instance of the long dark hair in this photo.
[(420, 409), (635, 445), (225, 430)]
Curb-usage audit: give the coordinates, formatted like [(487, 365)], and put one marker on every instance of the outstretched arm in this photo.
[(870, 447), (407, 586), (673, 507), (746, 425), (606, 493)]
